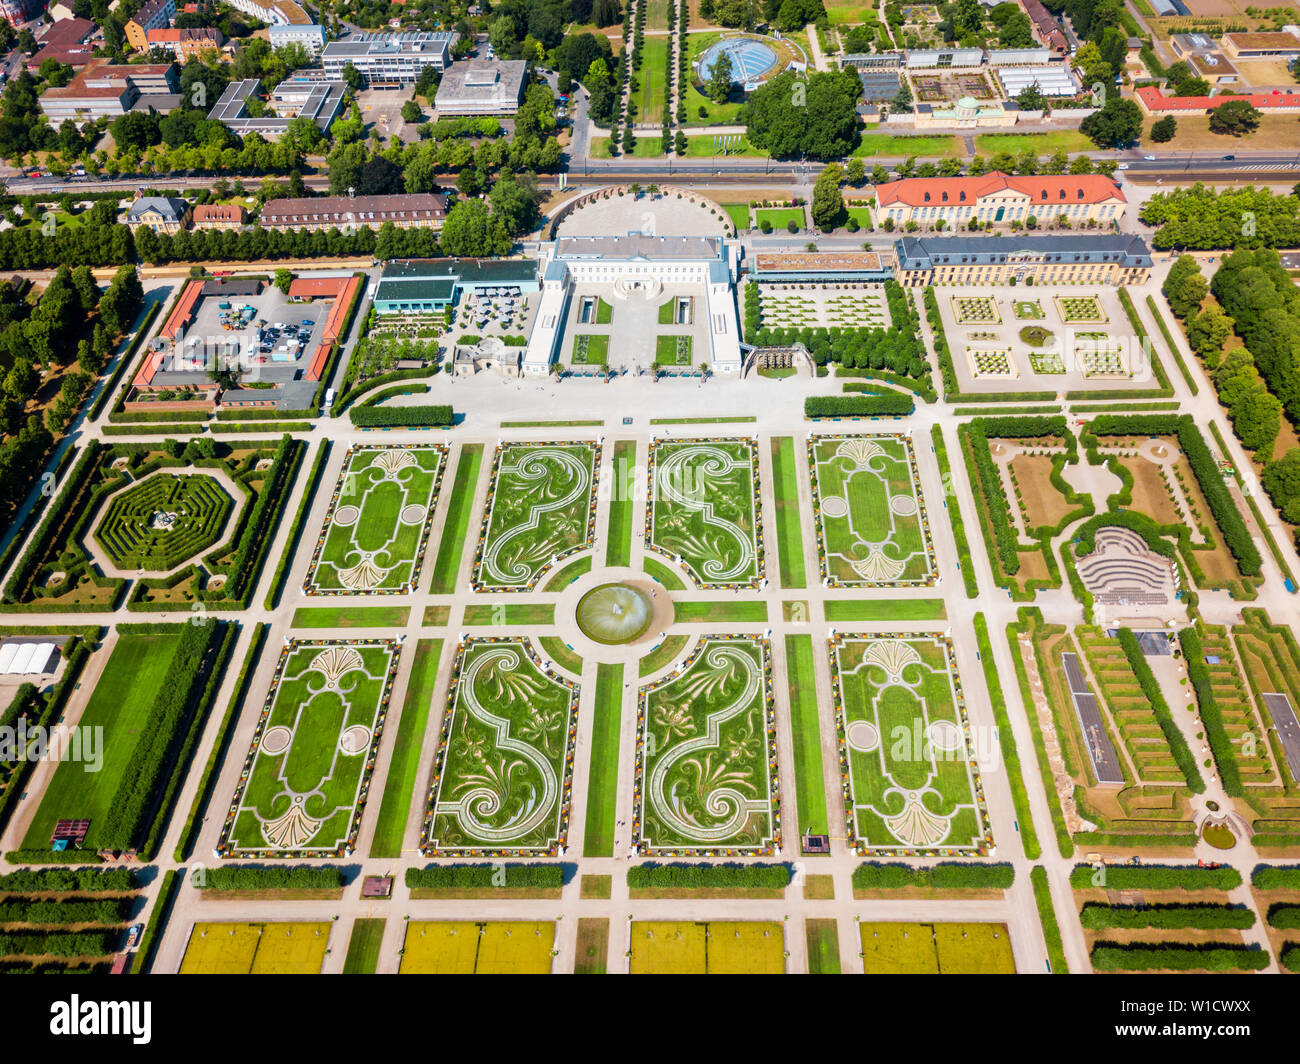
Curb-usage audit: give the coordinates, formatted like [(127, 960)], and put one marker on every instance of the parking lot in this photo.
[(274, 343)]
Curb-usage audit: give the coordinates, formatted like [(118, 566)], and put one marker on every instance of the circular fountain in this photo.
[(614, 613)]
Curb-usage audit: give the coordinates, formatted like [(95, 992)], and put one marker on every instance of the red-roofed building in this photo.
[(66, 41), (185, 43), (305, 288), (998, 198), (1155, 102), (219, 216), (1046, 29)]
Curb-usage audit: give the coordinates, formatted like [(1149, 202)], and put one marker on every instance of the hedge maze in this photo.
[(163, 521)]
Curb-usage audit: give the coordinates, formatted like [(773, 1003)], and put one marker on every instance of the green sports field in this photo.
[(313, 753)]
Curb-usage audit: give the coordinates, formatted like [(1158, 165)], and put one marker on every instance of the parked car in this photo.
[(133, 935), (1228, 158), (1149, 158)]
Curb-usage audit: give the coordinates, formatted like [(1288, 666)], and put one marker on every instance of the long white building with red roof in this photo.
[(999, 199)]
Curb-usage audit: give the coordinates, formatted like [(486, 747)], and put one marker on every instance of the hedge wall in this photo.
[(759, 876), (66, 944), (892, 405), (947, 875), (481, 875), (1183, 755), (1215, 957), (33, 911), (1157, 877), (1212, 716), (271, 877), (1276, 877), (69, 880), (1096, 916), (400, 416)]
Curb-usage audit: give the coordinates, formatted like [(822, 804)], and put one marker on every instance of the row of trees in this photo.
[(1201, 218)]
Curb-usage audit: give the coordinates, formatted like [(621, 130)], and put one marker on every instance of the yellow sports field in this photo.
[(742, 947), (929, 949), (256, 949), (468, 948)]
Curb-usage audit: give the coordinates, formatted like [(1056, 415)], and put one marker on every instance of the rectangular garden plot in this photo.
[(272, 948), (541, 508), (739, 947), (307, 774), (706, 773), (377, 526), (704, 510), (503, 774), (872, 529), (460, 947), (910, 780)]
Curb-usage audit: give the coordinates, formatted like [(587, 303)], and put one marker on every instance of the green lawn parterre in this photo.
[(504, 767), (541, 508), (704, 508), (872, 529), (307, 773), (706, 776), (375, 533), (911, 783)]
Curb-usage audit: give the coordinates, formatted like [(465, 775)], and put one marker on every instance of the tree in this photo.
[(1031, 98), (1116, 125), (352, 77), (1163, 130), (469, 231), (718, 87), (1185, 287), (827, 201), (379, 177), (1207, 332), (283, 279), (856, 172), (1235, 118), (817, 118), (606, 12), (411, 111), (1095, 69), (1281, 479)]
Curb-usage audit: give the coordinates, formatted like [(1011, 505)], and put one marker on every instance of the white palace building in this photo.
[(638, 268)]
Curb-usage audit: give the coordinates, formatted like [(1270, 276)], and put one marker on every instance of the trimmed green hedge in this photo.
[(968, 575), (946, 875), (438, 416), (124, 362), (1010, 757), (65, 944), (69, 881), (1047, 916), (1276, 877), (482, 876), (758, 876), (1213, 956), (1284, 917), (272, 877), (1183, 755), (1289, 958), (34, 911), (1215, 731), (1157, 877), (892, 405), (1096, 916)]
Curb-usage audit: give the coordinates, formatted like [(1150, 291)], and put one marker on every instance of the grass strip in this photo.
[(1173, 347), (363, 946), (789, 534), (602, 773), (510, 613), (885, 610), (351, 616), (295, 531), (400, 784), (157, 921), (701, 420), (665, 652), (809, 772), (823, 946), (750, 611), (954, 515), (663, 574), (618, 543), (562, 654), (550, 424), (569, 574), (447, 567)]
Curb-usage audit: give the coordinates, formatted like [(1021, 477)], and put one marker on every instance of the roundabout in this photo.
[(615, 615)]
